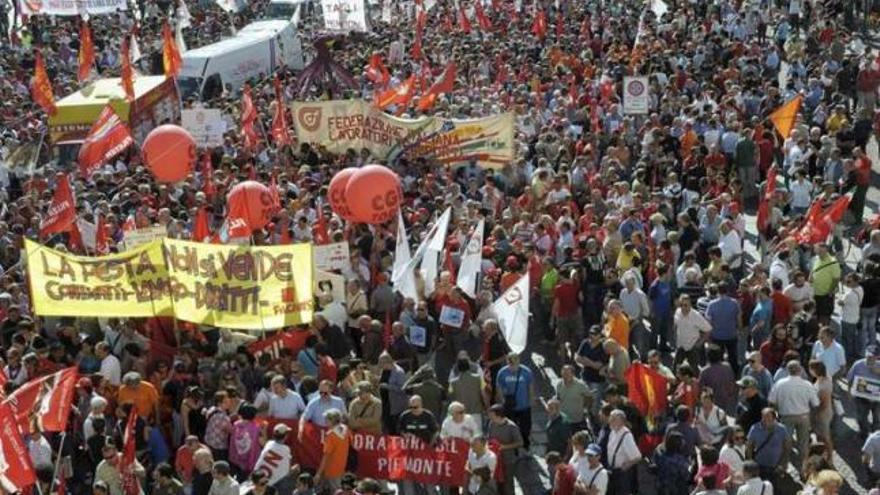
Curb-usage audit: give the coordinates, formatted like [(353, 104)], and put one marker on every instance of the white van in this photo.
[(258, 48)]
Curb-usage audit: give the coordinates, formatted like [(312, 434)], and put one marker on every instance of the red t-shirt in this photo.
[(566, 476), (566, 293), (782, 308)]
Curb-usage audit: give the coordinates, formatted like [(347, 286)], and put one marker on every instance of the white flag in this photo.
[(512, 309), (429, 270), (404, 279), (438, 231), (231, 6), (659, 8), (471, 262), (178, 38), (436, 237), (134, 51), (184, 19), (429, 4)]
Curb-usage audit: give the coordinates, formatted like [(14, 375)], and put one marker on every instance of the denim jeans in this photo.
[(869, 325), (851, 339)]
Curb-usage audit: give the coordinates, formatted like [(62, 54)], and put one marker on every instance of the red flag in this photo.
[(127, 70), (560, 24), (416, 50), (445, 84), (86, 55), (319, 232), (102, 243), (171, 60), (376, 71), (447, 23), (130, 224), (539, 25), (108, 137), (280, 131), (463, 20), (273, 193), (16, 470), (482, 19), (75, 241), (47, 399), (387, 336), (62, 210), (818, 226), (421, 20), (130, 485), (208, 186), (236, 224), (647, 389), (448, 263), (764, 204), (201, 231), (401, 95), (41, 87), (248, 118)]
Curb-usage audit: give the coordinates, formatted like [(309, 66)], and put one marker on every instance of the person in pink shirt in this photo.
[(244, 441)]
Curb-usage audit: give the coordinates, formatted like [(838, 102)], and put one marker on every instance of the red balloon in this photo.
[(336, 193), (374, 194), (255, 199), (169, 152)]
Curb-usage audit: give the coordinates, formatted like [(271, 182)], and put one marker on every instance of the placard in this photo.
[(135, 238), (451, 317), (206, 125), (345, 15), (865, 387), (330, 257), (330, 283), (635, 95)]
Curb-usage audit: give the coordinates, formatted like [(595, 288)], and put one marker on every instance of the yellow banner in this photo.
[(242, 287), (343, 124)]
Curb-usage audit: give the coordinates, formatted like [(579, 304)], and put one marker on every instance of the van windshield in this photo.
[(279, 11), (189, 86)]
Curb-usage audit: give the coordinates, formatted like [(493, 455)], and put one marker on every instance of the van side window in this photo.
[(213, 87)]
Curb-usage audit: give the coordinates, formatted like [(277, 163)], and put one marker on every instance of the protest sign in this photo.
[(138, 237), (865, 387), (387, 457), (343, 124), (345, 15), (330, 283), (635, 95), (71, 7), (206, 125), (329, 257), (244, 287)]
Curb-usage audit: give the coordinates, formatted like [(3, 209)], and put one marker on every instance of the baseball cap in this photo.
[(594, 449), (281, 429), (747, 382)]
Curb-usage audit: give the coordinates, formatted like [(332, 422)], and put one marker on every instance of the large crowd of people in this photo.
[(636, 231)]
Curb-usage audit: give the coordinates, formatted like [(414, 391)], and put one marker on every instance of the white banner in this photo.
[(512, 309), (71, 7), (205, 124), (345, 15), (329, 257), (138, 237), (635, 95)]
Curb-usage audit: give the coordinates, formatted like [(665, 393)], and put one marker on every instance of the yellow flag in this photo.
[(783, 117)]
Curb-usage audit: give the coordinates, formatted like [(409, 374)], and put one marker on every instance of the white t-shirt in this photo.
[(488, 459), (595, 478), (852, 302), (111, 370), (274, 460), (467, 429), (734, 457), (291, 406)]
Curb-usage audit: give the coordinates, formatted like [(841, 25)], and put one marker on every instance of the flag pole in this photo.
[(57, 465)]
